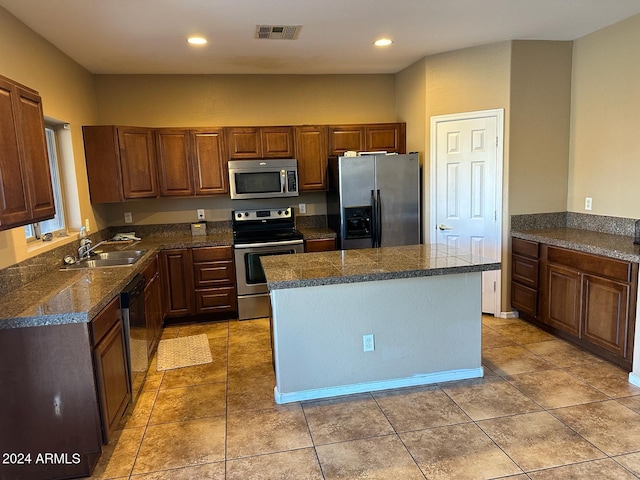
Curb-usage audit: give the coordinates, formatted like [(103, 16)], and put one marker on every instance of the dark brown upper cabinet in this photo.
[(121, 163), (311, 153), (260, 142), (26, 194), (191, 162), (374, 137)]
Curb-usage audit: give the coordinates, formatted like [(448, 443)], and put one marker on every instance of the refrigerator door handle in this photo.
[(379, 220), (374, 224)]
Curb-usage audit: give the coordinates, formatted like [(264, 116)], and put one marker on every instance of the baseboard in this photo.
[(634, 379), (413, 381)]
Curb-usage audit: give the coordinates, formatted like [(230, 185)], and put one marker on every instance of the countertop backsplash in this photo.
[(583, 221)]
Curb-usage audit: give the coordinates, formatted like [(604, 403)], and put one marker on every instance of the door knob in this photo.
[(444, 227)]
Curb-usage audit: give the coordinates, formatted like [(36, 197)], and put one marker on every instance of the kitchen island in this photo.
[(363, 320)]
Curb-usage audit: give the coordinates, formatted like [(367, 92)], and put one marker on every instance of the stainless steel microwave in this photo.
[(269, 178)]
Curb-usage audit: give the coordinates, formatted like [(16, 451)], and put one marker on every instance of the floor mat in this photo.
[(183, 352)]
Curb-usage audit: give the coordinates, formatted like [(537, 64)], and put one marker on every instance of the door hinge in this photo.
[(494, 286), (496, 141), (495, 215)]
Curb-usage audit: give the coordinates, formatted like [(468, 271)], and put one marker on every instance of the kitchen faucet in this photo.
[(85, 245)]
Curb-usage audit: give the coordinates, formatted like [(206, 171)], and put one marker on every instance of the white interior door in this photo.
[(466, 190)]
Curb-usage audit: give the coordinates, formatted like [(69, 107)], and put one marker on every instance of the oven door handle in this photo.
[(269, 244)]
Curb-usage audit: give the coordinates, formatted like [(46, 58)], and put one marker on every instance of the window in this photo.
[(56, 224)]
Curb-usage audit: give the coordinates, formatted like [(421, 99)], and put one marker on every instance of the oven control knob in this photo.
[(279, 212), (246, 214), (239, 215)]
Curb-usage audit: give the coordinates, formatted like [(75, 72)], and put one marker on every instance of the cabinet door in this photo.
[(209, 161), (175, 170), (277, 142), (562, 302), (137, 162), (605, 317), (112, 374), (312, 155), (244, 142), (177, 272), (14, 207), (153, 304), (35, 156), (102, 157), (389, 137), (346, 137)]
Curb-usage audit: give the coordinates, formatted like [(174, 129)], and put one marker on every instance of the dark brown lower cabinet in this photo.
[(586, 299), (605, 312), (199, 281), (319, 245), (561, 301), (153, 310), (110, 361)]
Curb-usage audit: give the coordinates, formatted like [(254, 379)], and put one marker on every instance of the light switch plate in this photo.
[(127, 217), (588, 202)]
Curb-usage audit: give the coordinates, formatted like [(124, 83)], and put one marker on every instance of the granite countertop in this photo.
[(369, 264), (310, 233), (78, 295), (605, 244)]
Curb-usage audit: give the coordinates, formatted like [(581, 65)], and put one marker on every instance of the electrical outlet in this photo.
[(588, 201), (127, 217), (87, 225), (201, 214), (302, 207), (368, 343)]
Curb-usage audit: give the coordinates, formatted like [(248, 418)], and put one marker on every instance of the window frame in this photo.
[(34, 231)]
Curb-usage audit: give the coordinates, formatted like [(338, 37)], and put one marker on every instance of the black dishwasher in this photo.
[(135, 328)]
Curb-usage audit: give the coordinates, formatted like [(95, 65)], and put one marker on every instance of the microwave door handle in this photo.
[(283, 180)]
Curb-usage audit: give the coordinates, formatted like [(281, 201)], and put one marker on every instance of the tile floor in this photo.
[(544, 410)]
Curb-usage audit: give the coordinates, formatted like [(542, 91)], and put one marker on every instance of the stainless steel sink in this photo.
[(117, 254), (116, 258)]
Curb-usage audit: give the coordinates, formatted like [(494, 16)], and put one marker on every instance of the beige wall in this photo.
[(208, 100), (454, 82), (68, 95), (539, 127), (604, 162)]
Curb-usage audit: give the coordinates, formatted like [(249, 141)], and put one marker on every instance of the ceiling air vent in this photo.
[(277, 32)]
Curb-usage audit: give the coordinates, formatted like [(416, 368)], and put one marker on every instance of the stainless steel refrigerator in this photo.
[(374, 200)]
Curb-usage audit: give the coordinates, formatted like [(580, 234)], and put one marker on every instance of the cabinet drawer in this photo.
[(524, 271), (588, 263), (525, 248), (214, 273), (105, 320), (320, 245), (216, 300), (206, 254), (524, 299)]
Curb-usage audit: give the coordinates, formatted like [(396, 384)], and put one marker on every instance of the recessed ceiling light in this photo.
[(383, 42), (197, 40)]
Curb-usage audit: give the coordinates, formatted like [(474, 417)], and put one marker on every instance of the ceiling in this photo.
[(148, 36)]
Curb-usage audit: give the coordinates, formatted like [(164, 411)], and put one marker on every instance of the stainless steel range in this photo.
[(258, 233)]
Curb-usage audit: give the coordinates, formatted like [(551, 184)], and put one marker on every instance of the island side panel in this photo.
[(634, 376), (421, 326), (48, 403)]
